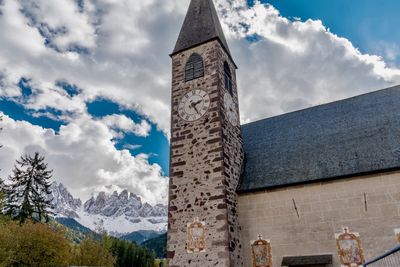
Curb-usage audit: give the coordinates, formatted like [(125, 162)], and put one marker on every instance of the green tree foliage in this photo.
[(74, 231), (27, 195), (129, 254), (39, 244), (32, 244), (93, 253), (160, 263), (2, 185), (157, 244)]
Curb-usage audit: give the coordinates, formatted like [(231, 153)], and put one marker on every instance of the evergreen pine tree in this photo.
[(2, 189), (27, 195)]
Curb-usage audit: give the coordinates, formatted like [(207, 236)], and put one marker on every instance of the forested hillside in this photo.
[(158, 245)]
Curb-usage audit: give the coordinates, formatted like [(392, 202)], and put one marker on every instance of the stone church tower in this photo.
[(206, 146)]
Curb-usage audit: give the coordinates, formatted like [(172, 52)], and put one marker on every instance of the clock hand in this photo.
[(198, 102), (193, 105)]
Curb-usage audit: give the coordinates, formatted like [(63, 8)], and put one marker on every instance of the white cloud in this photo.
[(132, 147), (293, 65), (127, 125), (390, 50), (61, 22), (83, 157), (127, 60), (296, 64)]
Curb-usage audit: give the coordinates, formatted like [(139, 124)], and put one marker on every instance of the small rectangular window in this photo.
[(228, 78)]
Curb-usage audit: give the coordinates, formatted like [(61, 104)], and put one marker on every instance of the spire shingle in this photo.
[(201, 25)]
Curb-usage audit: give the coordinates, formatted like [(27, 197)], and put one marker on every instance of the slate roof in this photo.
[(355, 136), (201, 24)]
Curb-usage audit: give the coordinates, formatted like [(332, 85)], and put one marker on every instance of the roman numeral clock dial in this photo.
[(194, 105)]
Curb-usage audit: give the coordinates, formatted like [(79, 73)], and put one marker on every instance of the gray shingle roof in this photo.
[(354, 136), (201, 25)]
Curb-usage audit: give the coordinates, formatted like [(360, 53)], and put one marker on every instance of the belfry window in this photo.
[(228, 78), (194, 67)]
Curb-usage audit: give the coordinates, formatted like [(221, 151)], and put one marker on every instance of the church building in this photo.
[(316, 187)]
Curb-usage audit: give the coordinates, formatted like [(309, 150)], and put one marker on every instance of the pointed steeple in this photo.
[(201, 25)]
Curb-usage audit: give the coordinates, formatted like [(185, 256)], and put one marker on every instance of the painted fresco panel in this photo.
[(261, 252), (196, 236), (349, 249)]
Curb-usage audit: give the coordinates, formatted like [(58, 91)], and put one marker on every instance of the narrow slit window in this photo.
[(228, 78), (194, 67)]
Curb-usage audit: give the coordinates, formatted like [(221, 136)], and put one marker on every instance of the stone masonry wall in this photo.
[(324, 208), (233, 163), (201, 179)]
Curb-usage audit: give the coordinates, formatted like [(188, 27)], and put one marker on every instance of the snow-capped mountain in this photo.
[(64, 204), (125, 203), (118, 214)]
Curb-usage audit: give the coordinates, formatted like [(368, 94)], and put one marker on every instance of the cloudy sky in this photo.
[(87, 82)]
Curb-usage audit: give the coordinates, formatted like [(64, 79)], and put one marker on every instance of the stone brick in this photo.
[(206, 158)]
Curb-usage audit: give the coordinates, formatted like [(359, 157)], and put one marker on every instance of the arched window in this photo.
[(194, 67), (228, 78)]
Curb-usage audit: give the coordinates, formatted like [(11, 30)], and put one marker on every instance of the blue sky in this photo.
[(156, 145), (90, 84)]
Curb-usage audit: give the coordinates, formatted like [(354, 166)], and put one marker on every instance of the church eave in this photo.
[(242, 190)]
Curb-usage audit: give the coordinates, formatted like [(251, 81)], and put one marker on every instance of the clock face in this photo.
[(230, 109), (194, 105)]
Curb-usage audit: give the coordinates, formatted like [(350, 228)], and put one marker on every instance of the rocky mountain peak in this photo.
[(64, 203), (124, 194), (132, 195), (124, 203)]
